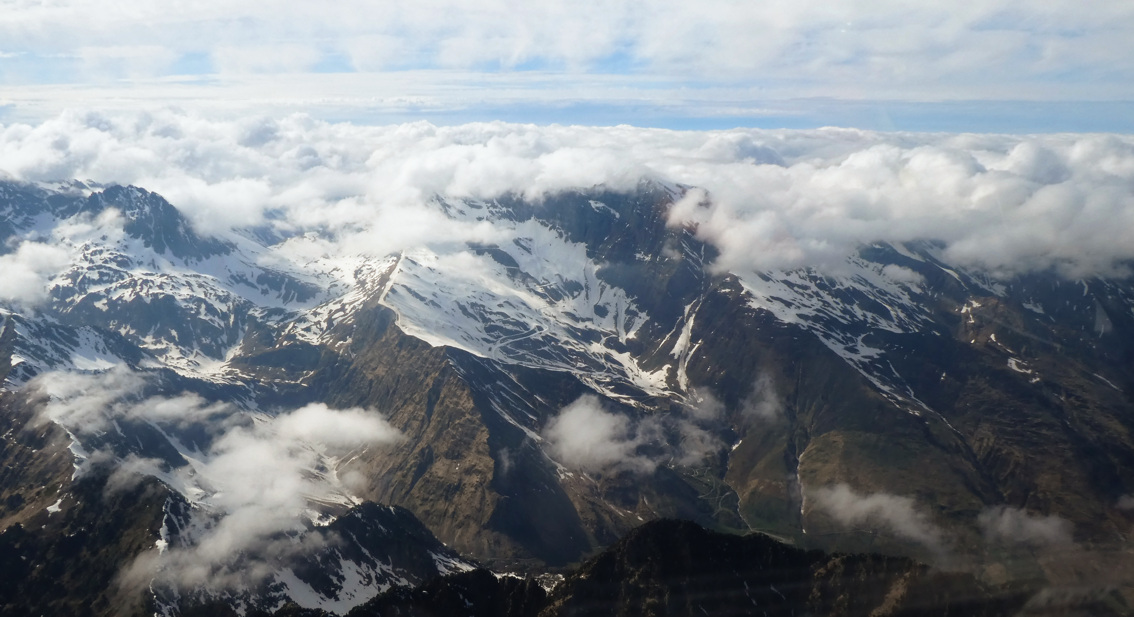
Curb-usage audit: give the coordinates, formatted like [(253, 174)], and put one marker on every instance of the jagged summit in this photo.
[(154, 221), (148, 217)]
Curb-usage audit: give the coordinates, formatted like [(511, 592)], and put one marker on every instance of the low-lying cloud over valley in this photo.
[(251, 478)]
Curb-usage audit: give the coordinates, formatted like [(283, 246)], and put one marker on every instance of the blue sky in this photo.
[(986, 66)]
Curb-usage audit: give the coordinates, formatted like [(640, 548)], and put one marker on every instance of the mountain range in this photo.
[(193, 422)]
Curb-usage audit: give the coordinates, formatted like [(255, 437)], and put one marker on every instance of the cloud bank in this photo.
[(775, 199)]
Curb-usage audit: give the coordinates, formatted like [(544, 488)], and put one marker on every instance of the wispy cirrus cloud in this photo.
[(833, 44)]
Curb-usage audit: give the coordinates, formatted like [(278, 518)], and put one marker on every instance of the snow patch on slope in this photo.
[(536, 302), (843, 309)]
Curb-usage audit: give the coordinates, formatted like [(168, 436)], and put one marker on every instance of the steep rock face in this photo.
[(75, 561), (991, 408), (67, 544), (1009, 386), (442, 468), (36, 464), (805, 418), (24, 207)]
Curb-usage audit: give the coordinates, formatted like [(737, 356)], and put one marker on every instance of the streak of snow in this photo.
[(1017, 365), (449, 565), (598, 206), (1107, 382)]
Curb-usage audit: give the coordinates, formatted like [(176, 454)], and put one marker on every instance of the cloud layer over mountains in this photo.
[(767, 199)]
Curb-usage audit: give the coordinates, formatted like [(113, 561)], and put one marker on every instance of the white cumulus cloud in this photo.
[(28, 270), (589, 436), (1004, 524), (766, 199), (585, 436), (893, 514)]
